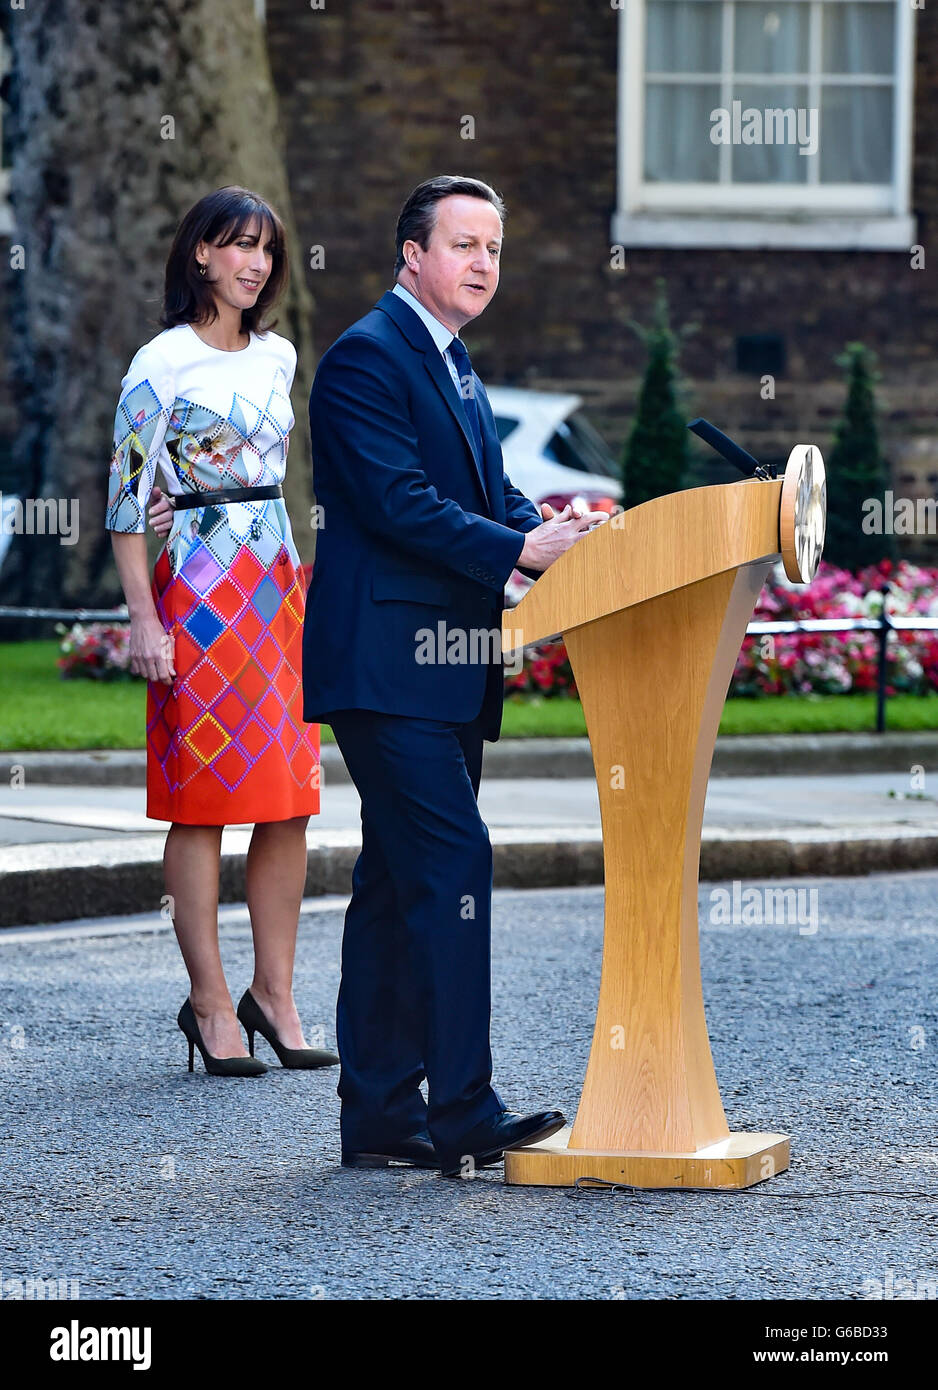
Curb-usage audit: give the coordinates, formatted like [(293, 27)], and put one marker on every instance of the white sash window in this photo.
[(749, 122)]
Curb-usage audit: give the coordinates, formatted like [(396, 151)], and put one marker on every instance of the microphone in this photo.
[(730, 451)]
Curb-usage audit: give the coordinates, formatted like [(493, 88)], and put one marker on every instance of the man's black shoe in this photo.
[(488, 1141), (418, 1151)]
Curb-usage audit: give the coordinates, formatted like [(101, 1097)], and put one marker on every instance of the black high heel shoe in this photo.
[(301, 1058), (218, 1066)]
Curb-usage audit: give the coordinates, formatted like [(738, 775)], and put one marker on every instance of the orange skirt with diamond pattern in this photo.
[(226, 742)]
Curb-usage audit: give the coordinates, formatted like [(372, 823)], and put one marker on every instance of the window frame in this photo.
[(803, 215)]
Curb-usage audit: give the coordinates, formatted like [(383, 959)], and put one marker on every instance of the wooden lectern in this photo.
[(653, 607)]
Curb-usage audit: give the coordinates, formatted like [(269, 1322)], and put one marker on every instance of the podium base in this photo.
[(739, 1161)]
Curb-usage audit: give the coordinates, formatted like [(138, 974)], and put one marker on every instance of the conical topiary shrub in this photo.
[(655, 458), (856, 470)]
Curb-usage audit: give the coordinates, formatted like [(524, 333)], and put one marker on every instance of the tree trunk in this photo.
[(121, 117)]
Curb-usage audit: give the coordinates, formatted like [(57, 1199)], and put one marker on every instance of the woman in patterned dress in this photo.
[(218, 633)]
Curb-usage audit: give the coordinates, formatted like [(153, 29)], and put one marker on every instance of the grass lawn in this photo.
[(39, 710), (779, 714)]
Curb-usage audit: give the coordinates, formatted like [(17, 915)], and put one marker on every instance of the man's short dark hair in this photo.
[(418, 215)]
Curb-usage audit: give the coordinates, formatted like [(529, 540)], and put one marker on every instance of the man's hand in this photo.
[(160, 514), (556, 533)]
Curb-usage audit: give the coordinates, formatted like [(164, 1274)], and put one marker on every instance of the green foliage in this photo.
[(856, 469), (656, 454)]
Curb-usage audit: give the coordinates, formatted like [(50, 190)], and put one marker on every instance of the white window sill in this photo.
[(822, 233)]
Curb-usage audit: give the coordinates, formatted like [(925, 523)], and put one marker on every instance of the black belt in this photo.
[(230, 494)]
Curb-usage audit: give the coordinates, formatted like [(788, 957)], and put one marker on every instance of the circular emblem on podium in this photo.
[(803, 515)]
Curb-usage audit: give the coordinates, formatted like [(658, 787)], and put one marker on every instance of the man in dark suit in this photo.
[(421, 528)]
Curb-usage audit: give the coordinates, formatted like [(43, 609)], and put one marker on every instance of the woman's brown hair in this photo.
[(220, 218)]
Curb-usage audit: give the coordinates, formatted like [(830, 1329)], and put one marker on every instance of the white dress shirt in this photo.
[(440, 334)]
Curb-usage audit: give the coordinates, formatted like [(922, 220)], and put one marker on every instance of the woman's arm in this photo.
[(139, 432), (151, 646)]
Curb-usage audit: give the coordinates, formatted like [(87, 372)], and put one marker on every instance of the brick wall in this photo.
[(371, 97)]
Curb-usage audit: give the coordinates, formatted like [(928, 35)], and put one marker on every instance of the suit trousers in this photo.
[(415, 995)]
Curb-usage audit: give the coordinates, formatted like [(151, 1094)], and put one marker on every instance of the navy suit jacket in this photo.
[(417, 531)]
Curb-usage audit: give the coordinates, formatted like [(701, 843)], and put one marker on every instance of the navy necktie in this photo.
[(463, 367)]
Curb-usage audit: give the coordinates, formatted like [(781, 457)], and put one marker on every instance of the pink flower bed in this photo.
[(803, 663), (95, 651)]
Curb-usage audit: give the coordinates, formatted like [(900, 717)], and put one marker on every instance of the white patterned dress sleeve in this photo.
[(140, 428)]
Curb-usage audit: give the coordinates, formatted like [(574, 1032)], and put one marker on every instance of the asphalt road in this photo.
[(138, 1180)]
